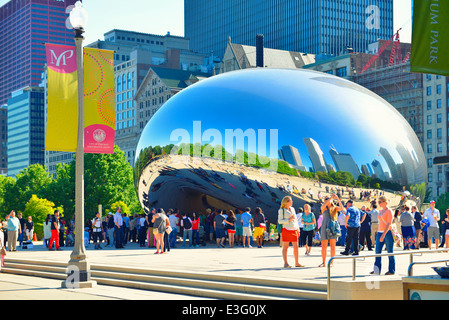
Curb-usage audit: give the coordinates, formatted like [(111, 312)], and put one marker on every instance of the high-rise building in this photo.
[(317, 27), (345, 163), (291, 155), (3, 140), (135, 54), (315, 155), (26, 129), (378, 170), (25, 25)]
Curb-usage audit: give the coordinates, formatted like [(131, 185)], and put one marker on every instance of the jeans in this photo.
[(111, 236), (389, 242), (172, 237), (342, 239), (118, 237), (142, 236), (189, 233), (196, 237)]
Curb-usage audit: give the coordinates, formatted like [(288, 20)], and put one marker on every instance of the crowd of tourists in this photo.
[(326, 224)]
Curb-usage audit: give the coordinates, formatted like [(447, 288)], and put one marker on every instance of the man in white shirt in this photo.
[(433, 231), (118, 222)]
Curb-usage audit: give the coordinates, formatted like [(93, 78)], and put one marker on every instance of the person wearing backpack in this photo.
[(329, 211), (186, 223)]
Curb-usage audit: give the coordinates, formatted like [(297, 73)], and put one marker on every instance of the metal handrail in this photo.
[(410, 267), (354, 258)]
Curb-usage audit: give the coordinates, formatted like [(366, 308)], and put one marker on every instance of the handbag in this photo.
[(156, 230), (333, 229), (168, 230)]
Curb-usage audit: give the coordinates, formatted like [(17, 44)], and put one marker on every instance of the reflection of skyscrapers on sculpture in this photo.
[(304, 120), (316, 155), (394, 170), (344, 162), (291, 155), (378, 170)]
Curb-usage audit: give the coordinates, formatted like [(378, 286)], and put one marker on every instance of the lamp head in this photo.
[(78, 16)]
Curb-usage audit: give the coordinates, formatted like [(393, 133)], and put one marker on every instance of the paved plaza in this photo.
[(253, 262)]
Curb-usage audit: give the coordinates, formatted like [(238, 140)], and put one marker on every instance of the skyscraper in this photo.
[(26, 132), (291, 155), (316, 155), (25, 25), (329, 27), (345, 163)]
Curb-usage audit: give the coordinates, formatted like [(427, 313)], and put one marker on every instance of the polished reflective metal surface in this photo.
[(255, 122)]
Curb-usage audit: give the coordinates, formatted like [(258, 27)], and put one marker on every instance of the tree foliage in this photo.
[(108, 178)]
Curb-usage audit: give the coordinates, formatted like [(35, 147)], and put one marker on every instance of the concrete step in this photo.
[(190, 283)]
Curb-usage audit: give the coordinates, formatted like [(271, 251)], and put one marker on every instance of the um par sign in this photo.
[(430, 49)]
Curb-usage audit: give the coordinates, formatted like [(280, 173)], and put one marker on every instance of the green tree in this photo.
[(108, 178), (31, 180), (6, 183), (62, 189), (120, 204), (38, 209)]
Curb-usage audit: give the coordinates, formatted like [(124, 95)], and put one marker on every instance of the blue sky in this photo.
[(159, 17)]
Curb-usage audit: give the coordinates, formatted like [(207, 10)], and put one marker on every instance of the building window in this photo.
[(439, 147), (439, 89), (429, 119), (439, 104), (429, 148), (429, 91), (429, 105), (341, 72), (429, 177), (439, 133), (429, 134), (439, 118), (429, 163)]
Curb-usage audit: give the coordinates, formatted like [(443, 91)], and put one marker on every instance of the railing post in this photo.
[(353, 269)]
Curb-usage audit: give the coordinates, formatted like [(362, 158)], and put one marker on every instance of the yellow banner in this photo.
[(99, 101), (62, 111)]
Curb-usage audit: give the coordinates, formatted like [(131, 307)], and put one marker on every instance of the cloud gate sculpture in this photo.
[(248, 138)]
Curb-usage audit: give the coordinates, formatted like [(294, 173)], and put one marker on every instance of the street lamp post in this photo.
[(78, 271)]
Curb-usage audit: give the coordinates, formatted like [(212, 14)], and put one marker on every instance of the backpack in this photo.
[(186, 223), (333, 229)]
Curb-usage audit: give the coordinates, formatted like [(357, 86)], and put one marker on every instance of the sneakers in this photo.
[(387, 274)]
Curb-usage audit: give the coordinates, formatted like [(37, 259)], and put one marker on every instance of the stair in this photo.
[(187, 283)]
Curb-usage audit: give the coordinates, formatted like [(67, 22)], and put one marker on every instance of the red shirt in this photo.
[(196, 224)]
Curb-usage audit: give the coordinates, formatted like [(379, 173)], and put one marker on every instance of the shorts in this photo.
[(258, 232), (247, 232), (220, 233), (238, 231), (447, 232), (433, 232), (231, 231)]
